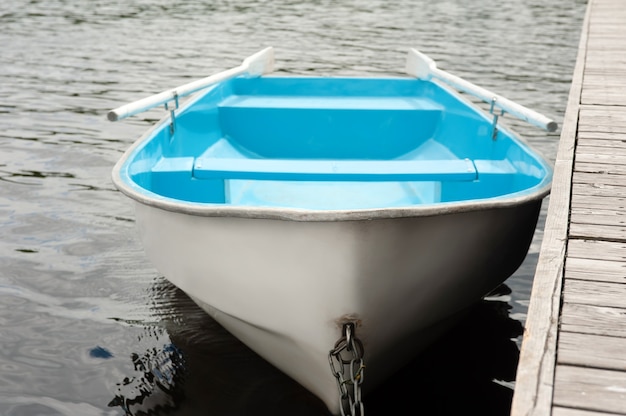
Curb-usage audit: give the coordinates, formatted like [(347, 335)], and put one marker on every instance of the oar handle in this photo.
[(255, 65), (423, 67)]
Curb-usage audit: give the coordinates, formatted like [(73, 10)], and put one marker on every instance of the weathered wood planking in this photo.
[(601, 250), (598, 203), (603, 118), (586, 372), (593, 152), (603, 270), (590, 350), (590, 389), (594, 292), (595, 320), (597, 231), (598, 178), (584, 188), (595, 222), (605, 79), (590, 372), (563, 411), (533, 393)]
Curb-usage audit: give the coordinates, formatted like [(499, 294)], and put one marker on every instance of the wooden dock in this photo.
[(573, 357)]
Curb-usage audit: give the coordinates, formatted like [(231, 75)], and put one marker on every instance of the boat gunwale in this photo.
[(148, 198), (299, 214)]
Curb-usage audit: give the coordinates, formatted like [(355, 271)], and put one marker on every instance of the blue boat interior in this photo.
[(331, 143)]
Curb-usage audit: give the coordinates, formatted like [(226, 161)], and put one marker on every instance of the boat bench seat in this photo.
[(332, 170), (335, 170), (339, 102)]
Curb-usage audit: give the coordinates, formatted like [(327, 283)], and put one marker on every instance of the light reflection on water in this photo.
[(81, 309)]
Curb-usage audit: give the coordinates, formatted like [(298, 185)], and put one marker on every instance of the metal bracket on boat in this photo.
[(172, 112), (423, 67), (494, 123), (346, 364)]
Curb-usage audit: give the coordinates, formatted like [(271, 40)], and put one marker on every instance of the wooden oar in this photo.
[(423, 67), (255, 65)]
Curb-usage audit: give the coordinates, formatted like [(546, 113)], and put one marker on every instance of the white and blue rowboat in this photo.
[(298, 211)]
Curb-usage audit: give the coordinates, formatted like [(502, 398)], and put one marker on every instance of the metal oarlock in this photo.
[(172, 112), (494, 123)]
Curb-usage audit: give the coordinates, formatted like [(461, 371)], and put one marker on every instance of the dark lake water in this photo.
[(87, 326)]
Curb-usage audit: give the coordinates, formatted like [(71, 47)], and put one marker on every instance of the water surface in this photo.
[(87, 326)]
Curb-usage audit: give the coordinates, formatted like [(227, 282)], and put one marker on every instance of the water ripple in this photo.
[(74, 278)]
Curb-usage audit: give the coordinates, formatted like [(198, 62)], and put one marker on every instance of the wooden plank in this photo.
[(594, 109), (613, 61), (600, 147), (602, 95), (601, 168), (599, 178), (597, 73), (594, 269), (594, 217), (586, 292), (602, 204), (606, 115), (591, 319), (601, 155), (601, 125), (590, 389), (600, 135), (597, 226), (599, 80), (595, 231), (598, 216), (590, 350), (564, 411), (595, 249), (582, 189)]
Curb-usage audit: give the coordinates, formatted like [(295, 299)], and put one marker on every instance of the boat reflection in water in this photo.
[(194, 366), (157, 384)]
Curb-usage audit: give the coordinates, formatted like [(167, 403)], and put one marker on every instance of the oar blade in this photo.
[(261, 62), (419, 65)]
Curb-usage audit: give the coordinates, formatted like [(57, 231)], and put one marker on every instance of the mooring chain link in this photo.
[(346, 364)]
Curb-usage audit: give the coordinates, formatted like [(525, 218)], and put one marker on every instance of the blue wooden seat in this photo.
[(335, 170)]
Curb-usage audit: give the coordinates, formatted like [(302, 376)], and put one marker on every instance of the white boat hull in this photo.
[(286, 287), (289, 206)]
